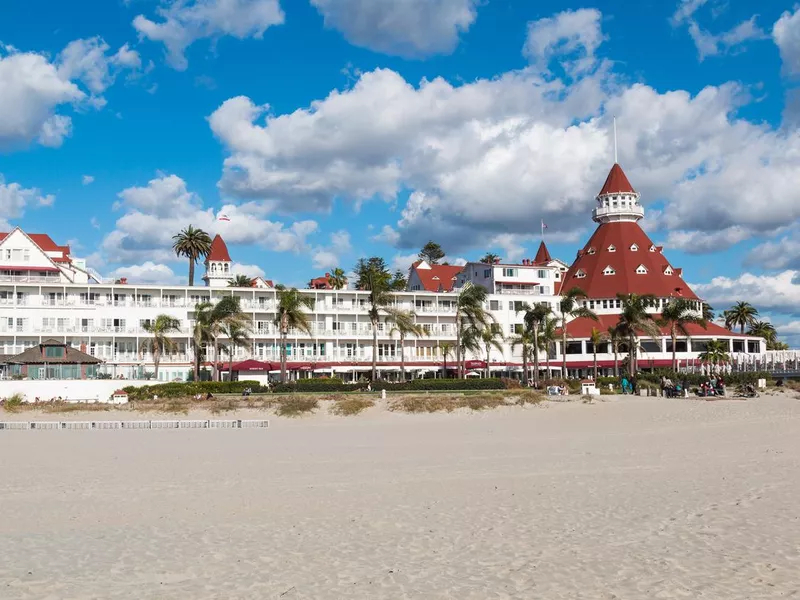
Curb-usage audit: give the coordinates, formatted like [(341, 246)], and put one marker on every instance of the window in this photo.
[(591, 250), (605, 303), (641, 270), (609, 271), (26, 255), (650, 346), (509, 272), (680, 346), (494, 305), (668, 270), (516, 328), (542, 274), (634, 248), (54, 352), (574, 348), (612, 248), (487, 273), (581, 274), (653, 248), (517, 305)]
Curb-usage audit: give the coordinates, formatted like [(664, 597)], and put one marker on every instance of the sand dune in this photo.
[(636, 498)]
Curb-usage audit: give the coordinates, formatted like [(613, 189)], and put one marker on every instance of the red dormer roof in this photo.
[(219, 251), (617, 182), (439, 278), (623, 235), (542, 255)]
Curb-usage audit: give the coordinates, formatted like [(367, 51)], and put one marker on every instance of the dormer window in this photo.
[(609, 271), (634, 248), (612, 248), (641, 270), (653, 248), (668, 270), (581, 274), (591, 250)]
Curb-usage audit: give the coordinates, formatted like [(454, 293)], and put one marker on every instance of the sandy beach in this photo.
[(628, 498)]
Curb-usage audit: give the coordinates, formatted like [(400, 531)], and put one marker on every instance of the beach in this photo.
[(622, 498)]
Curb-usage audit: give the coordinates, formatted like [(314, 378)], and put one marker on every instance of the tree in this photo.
[(337, 279), (290, 314), (227, 312), (491, 337), (446, 348), (715, 354), (201, 334), (708, 312), (193, 244), (676, 315), (741, 314), (238, 334), (525, 339), (240, 281), (633, 319), (597, 337), (489, 258), (374, 277), (534, 319), (399, 282), (404, 324), (431, 253), (613, 336), (570, 308), (547, 334), (470, 312), (160, 342), (767, 331), (470, 338)]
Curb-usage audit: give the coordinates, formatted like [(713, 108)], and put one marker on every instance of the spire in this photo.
[(542, 255), (616, 182), (219, 251), (617, 201)]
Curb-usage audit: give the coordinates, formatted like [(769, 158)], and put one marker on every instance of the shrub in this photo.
[(528, 397), (511, 384), (319, 382), (226, 405), (190, 389), (294, 407), (351, 406), (13, 403)]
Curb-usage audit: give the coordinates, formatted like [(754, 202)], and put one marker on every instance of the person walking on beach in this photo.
[(625, 384)]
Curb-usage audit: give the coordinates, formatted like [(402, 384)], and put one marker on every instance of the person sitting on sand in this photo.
[(209, 396)]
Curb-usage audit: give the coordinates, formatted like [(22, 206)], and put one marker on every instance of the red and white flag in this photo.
[(543, 225)]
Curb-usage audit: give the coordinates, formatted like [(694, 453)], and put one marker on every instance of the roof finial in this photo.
[(616, 160)]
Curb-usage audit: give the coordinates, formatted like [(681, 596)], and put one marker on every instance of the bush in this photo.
[(13, 403), (511, 384), (529, 397), (351, 406), (294, 407), (415, 385), (319, 382), (190, 389)]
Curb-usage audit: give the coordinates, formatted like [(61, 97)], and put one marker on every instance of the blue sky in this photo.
[(333, 129)]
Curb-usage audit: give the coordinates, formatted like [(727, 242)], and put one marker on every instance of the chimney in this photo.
[(123, 281)]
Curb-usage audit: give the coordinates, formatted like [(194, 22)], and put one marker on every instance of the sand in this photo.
[(632, 498)]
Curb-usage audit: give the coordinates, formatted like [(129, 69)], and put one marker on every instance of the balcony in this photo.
[(30, 278)]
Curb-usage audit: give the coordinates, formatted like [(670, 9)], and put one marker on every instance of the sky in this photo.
[(328, 130)]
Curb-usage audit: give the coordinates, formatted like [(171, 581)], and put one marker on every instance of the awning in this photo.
[(252, 365)]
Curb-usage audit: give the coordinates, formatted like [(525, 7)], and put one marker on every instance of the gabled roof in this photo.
[(617, 182), (624, 235), (581, 328), (437, 278), (35, 355), (219, 251), (542, 255)]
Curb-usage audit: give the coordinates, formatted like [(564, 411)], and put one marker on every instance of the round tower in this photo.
[(218, 264), (617, 201)]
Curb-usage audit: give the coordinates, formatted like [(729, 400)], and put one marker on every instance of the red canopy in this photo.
[(252, 365)]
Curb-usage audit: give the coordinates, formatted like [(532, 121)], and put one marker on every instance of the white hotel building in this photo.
[(46, 294)]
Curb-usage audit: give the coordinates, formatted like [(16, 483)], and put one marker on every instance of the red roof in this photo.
[(542, 255), (45, 243), (595, 257), (219, 251), (617, 182), (321, 283), (581, 328), (29, 268), (439, 278)]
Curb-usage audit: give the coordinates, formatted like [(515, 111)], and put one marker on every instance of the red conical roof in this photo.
[(219, 251), (542, 255), (622, 262), (617, 182)]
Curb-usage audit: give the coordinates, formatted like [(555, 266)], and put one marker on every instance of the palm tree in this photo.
[(337, 279), (634, 319), (290, 315), (676, 315), (201, 334), (490, 258), (491, 337), (534, 318), (240, 281), (227, 313), (570, 309), (194, 244), (547, 334), (159, 328), (716, 353), (446, 349), (470, 338), (765, 330), (238, 335), (525, 339), (597, 337), (374, 277), (741, 314), (470, 313), (404, 324), (613, 336), (708, 312)]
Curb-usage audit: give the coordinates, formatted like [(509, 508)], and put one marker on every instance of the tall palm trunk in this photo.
[(156, 359), (594, 348), (564, 347), (488, 356), (616, 359), (230, 364), (374, 348), (216, 359), (535, 356), (674, 350), (525, 364), (444, 358), (284, 335), (458, 348), (632, 355), (402, 358), (191, 271)]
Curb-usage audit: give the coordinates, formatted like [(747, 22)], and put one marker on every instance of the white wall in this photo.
[(70, 391)]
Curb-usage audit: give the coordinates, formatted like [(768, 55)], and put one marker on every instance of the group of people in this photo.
[(715, 386), (670, 389), (629, 386)]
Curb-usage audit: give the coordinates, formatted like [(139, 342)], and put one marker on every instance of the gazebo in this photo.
[(53, 359)]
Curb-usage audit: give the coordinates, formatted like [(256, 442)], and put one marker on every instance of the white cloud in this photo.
[(571, 36), (330, 257), (786, 34), (182, 22), (87, 179), (251, 271), (154, 213), (773, 255), (778, 293), (705, 242), (14, 199), (711, 44), (410, 28), (94, 223), (148, 273), (402, 262), (35, 90), (388, 235)]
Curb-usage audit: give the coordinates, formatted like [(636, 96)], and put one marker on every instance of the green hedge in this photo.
[(333, 385), (181, 390)]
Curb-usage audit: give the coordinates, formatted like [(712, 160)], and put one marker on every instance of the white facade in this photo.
[(524, 279)]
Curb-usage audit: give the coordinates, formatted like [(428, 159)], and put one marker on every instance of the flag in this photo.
[(543, 225), (223, 218)]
